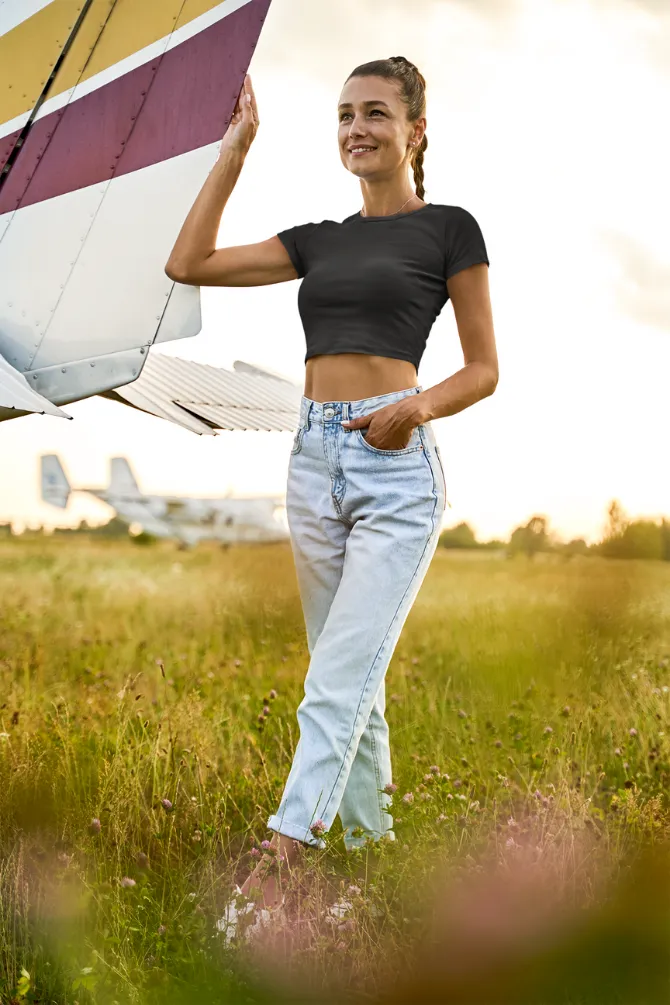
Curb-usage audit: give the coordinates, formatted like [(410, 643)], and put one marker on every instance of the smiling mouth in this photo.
[(359, 151)]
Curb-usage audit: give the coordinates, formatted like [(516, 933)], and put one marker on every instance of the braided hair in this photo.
[(413, 93)]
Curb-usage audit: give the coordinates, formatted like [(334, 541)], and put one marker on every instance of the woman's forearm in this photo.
[(197, 237), (475, 381)]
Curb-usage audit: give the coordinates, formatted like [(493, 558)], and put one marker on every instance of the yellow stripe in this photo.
[(29, 51)]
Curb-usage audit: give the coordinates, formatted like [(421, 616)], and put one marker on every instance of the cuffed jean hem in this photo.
[(351, 843), (288, 829)]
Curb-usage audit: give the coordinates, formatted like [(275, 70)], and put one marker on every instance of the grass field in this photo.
[(537, 691)]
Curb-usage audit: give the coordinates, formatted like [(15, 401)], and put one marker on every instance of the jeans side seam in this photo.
[(383, 642), (432, 472), (378, 779)]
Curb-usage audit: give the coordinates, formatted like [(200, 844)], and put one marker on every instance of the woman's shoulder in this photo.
[(451, 212), (456, 223), (311, 227)]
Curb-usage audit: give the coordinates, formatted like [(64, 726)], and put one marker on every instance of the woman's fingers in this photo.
[(237, 111), (250, 88), (244, 121), (247, 97)]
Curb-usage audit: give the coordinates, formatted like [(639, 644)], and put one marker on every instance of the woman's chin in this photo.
[(362, 171)]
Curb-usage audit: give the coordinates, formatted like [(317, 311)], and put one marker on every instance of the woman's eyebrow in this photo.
[(347, 104)]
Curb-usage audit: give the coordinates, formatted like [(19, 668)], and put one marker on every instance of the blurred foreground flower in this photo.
[(515, 935)]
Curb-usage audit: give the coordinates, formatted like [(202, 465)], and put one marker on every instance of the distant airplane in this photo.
[(187, 520), (111, 115)]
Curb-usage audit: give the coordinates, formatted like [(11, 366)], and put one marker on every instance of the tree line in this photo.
[(622, 538)]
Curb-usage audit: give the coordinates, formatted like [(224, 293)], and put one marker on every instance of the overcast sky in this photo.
[(547, 119)]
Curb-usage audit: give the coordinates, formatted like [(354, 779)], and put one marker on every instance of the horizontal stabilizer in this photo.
[(259, 371), (16, 393), (205, 398)]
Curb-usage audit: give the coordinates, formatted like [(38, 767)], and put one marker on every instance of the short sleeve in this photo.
[(464, 242), (295, 240)]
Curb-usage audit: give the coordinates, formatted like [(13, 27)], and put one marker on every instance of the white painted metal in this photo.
[(182, 317), (38, 251), (17, 264), (66, 382), (16, 394), (119, 276), (74, 258), (5, 219)]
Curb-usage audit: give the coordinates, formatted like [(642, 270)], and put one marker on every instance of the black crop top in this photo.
[(375, 284)]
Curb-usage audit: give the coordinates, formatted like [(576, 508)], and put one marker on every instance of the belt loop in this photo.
[(309, 412)]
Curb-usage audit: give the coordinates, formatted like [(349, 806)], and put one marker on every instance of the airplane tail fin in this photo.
[(55, 486), (122, 480)]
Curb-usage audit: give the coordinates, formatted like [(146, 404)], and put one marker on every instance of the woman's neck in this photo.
[(388, 202)]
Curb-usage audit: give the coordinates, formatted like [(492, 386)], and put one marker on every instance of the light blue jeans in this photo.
[(364, 524)]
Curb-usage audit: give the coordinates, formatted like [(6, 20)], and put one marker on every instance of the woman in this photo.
[(366, 490)]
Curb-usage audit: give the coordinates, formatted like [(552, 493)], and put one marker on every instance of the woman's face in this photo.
[(374, 132)]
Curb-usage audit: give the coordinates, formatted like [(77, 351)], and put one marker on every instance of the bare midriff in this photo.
[(350, 376)]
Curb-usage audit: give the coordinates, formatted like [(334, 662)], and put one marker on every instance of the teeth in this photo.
[(360, 150)]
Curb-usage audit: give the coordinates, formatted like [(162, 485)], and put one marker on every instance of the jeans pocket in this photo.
[(297, 440), (413, 445)]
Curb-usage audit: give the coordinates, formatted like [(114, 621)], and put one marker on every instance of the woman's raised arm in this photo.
[(195, 259)]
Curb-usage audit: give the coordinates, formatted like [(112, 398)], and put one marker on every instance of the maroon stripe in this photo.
[(177, 102), (7, 145)]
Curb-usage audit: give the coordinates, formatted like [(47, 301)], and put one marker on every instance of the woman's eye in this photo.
[(347, 115)]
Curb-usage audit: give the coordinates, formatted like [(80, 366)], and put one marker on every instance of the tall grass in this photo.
[(537, 692)]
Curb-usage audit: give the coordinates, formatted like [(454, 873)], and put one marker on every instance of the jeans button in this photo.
[(329, 413)]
